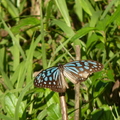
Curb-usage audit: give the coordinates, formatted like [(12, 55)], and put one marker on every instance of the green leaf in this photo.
[(54, 112), (68, 30), (4, 117), (19, 101), (7, 81), (104, 113), (25, 24), (114, 16), (42, 115), (61, 4), (85, 4), (80, 33), (10, 102), (110, 75), (51, 97), (10, 6)]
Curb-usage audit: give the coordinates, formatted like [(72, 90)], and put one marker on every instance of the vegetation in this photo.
[(35, 36)]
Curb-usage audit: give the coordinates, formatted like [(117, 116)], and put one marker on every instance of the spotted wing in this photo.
[(77, 71), (50, 78)]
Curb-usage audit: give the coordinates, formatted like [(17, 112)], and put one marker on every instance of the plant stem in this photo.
[(77, 88), (63, 106)]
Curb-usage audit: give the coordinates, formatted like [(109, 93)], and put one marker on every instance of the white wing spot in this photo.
[(54, 83), (45, 83), (80, 75), (90, 69)]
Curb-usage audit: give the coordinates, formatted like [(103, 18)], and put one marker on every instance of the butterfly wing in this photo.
[(51, 78), (77, 71)]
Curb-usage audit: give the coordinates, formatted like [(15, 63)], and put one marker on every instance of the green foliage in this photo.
[(30, 42), (10, 105)]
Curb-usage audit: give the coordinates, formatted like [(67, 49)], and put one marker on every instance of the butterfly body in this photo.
[(76, 71)]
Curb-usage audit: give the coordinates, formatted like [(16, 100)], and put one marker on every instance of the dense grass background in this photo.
[(35, 36)]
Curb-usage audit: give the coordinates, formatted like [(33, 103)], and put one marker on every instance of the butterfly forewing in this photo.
[(77, 71)]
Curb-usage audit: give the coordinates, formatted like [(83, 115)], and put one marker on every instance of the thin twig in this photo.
[(77, 88), (63, 106)]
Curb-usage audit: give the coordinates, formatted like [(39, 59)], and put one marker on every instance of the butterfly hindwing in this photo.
[(50, 78)]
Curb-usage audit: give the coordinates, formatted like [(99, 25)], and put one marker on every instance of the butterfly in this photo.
[(76, 71)]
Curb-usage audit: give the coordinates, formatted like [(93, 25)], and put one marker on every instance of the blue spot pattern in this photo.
[(76, 71)]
